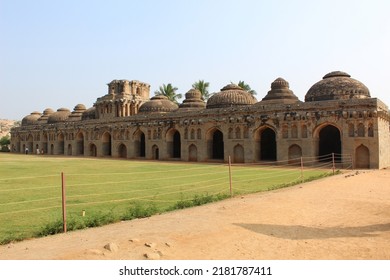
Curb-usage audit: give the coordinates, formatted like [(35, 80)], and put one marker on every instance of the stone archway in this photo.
[(155, 152), (173, 143), (238, 153), (122, 151), (92, 150), (362, 157), (294, 154), (267, 144), (139, 144), (192, 153), (60, 144), (329, 142), (69, 149), (106, 144), (217, 145), (79, 144)]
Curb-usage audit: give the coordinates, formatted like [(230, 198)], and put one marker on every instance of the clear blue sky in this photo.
[(61, 53)]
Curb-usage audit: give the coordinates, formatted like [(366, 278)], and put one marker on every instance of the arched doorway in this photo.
[(106, 144), (268, 145), (192, 153), (69, 150), (294, 154), (329, 142), (122, 151), (80, 144), (30, 144), (156, 152), (217, 146), (139, 144), (60, 144), (362, 156), (176, 145), (238, 154), (92, 150)]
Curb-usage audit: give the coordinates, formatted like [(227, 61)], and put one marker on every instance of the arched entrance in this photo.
[(80, 144), (60, 144), (139, 144), (329, 142), (92, 150), (176, 145), (69, 150), (192, 153), (155, 152), (106, 144), (122, 151), (362, 156), (238, 154), (294, 154), (217, 146), (267, 144)]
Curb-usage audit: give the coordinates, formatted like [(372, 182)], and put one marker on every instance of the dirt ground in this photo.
[(342, 217)]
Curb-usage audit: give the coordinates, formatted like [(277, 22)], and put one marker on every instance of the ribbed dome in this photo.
[(77, 112), (46, 113), (31, 119), (193, 100), (89, 114), (280, 92), (229, 96), (337, 85), (61, 115), (158, 104)]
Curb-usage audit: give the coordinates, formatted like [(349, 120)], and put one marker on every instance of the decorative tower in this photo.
[(123, 99)]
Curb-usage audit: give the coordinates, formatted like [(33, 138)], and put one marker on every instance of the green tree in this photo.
[(203, 87), (246, 87), (170, 92), (4, 143)]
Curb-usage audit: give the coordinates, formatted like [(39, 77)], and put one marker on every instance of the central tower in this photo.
[(123, 99)]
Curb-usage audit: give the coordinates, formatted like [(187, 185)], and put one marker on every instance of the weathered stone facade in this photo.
[(338, 116)]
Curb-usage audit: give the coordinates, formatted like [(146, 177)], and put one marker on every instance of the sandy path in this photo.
[(341, 217)]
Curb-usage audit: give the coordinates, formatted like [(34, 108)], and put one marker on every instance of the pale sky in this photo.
[(60, 53)]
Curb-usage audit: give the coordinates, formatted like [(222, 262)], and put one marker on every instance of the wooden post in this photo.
[(230, 177), (302, 179), (333, 165), (63, 201)]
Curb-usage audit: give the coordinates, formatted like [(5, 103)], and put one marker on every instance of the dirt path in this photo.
[(342, 217)]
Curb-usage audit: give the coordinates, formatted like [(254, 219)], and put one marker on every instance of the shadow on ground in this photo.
[(297, 232)]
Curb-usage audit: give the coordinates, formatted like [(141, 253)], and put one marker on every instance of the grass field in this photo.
[(110, 190)]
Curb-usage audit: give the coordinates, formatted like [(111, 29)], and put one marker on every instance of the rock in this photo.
[(167, 244), (152, 256), (112, 247), (150, 245), (134, 240), (95, 252)]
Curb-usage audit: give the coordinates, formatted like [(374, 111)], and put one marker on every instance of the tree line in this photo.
[(170, 91)]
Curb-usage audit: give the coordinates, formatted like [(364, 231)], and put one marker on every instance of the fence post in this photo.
[(333, 164), (302, 179), (63, 201), (230, 177)]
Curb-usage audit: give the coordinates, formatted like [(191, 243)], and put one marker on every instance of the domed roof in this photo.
[(61, 115), (280, 92), (229, 96), (193, 100), (89, 114), (158, 104), (46, 113), (337, 85), (31, 119), (77, 112)]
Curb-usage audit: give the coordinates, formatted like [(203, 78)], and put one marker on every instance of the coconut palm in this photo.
[(246, 87), (203, 87), (170, 92)]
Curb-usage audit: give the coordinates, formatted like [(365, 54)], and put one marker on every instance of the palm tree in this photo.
[(203, 87), (169, 91), (246, 87)]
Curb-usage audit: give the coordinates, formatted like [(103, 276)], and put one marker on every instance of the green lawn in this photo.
[(30, 188)]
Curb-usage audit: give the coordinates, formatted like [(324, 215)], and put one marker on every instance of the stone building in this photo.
[(338, 116)]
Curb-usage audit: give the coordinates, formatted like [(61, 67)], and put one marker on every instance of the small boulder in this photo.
[(112, 247)]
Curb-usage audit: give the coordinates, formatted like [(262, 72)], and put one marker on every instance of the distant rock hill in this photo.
[(6, 125)]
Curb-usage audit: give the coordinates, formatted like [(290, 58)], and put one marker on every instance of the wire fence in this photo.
[(26, 203)]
